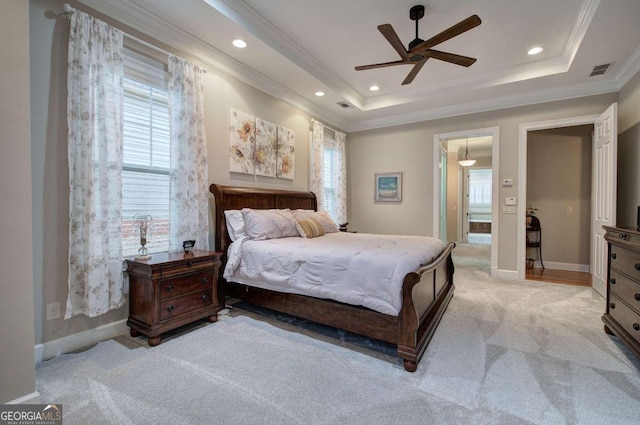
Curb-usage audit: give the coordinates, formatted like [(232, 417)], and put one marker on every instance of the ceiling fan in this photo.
[(420, 51)]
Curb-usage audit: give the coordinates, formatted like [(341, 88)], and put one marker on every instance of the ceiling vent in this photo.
[(343, 104), (599, 70)]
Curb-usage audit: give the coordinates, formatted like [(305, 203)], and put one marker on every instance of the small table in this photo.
[(170, 290)]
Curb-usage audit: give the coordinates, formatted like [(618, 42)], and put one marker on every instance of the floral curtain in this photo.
[(94, 119), (341, 178), (189, 205), (316, 178)]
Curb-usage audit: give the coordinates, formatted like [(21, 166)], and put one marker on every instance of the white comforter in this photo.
[(354, 268)]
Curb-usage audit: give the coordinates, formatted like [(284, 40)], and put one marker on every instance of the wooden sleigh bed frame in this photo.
[(426, 292)]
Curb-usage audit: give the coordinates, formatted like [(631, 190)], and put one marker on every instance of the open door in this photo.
[(603, 209)]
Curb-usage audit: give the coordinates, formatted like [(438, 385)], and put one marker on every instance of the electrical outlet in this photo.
[(53, 311)]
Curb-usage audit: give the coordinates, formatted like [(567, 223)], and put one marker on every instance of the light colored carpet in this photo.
[(505, 353)]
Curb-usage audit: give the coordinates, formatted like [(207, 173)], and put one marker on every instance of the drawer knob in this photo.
[(613, 256), (636, 326), (612, 305), (170, 288), (189, 264), (637, 266), (205, 279), (170, 308), (613, 280), (205, 297), (624, 236), (637, 297)]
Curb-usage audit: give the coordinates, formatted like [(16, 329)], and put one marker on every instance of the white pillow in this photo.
[(322, 216), (235, 224), (269, 224)]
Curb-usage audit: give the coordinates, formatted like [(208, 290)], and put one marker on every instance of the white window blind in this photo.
[(329, 172), (146, 155)]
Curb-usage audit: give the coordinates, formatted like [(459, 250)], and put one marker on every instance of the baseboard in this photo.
[(79, 340), (565, 266), (504, 274), (33, 398)]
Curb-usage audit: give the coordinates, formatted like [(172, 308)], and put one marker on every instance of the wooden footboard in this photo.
[(426, 291), (425, 296)]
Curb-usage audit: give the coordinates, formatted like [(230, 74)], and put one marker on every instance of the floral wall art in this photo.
[(286, 153), (259, 147), (241, 142)]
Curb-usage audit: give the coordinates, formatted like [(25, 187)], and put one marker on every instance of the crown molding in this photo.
[(243, 15), (139, 18), (629, 69), (512, 101)]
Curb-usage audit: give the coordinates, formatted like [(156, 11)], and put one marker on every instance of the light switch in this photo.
[(507, 182), (508, 209), (510, 200)]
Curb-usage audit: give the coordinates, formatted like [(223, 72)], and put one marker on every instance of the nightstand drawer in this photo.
[(185, 304), (626, 289), (625, 261), (174, 287), (628, 319)]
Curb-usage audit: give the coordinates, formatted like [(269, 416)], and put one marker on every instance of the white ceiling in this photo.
[(297, 47)]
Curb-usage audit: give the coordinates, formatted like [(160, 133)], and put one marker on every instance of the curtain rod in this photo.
[(69, 10), (332, 129)]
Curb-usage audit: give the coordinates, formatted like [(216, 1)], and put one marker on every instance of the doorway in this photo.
[(450, 213), (603, 189), (477, 205)]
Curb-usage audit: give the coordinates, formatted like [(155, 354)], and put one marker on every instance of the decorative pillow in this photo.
[(269, 224), (310, 228), (235, 224), (322, 216)]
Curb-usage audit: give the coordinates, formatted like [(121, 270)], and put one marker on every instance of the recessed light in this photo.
[(240, 44), (319, 93), (535, 50), (374, 88)]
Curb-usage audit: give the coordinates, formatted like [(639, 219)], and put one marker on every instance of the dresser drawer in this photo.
[(177, 286), (185, 304), (625, 261), (625, 316), (625, 289)]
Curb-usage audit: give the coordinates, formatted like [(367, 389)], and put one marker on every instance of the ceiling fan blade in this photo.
[(416, 68), (392, 37), (462, 26), (382, 65), (450, 57)]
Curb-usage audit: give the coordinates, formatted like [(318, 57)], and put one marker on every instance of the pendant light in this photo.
[(467, 161)]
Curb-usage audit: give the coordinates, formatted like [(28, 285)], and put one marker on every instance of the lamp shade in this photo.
[(467, 161)]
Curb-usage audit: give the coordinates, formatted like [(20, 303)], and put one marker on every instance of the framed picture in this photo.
[(388, 187)]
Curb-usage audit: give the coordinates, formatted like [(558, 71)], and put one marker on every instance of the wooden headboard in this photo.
[(237, 198)]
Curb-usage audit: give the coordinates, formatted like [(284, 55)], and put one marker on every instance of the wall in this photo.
[(17, 377), (49, 38), (409, 148), (559, 177), (629, 153)]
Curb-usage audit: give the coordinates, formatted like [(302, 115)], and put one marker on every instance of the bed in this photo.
[(425, 291)]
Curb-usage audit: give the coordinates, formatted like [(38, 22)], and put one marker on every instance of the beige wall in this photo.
[(629, 153), (49, 38), (409, 148), (559, 177), (17, 377)]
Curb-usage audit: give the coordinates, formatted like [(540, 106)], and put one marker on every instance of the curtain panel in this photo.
[(94, 119), (188, 202), (341, 178), (316, 177)]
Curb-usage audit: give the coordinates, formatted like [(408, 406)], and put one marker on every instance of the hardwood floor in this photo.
[(559, 276)]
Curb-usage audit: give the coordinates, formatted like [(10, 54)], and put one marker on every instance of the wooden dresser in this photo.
[(622, 317), (170, 290)]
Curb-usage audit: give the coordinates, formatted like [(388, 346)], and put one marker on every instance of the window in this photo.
[(145, 152), (329, 172)]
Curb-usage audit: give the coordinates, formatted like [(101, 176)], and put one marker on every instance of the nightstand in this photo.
[(171, 290)]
